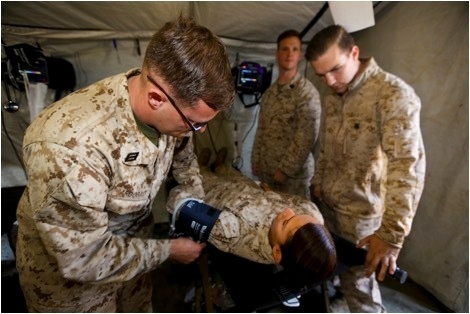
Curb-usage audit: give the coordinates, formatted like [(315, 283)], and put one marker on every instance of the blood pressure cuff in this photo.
[(193, 218)]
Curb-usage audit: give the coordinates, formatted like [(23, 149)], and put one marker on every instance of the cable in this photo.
[(238, 161), (252, 125)]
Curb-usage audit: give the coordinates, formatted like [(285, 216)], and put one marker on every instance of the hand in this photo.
[(185, 250), (316, 191), (255, 169), (279, 176), (265, 187), (379, 252)]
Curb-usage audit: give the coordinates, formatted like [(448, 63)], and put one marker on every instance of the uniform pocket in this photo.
[(230, 227)]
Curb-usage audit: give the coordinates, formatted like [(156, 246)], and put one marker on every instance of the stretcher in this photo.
[(255, 287)]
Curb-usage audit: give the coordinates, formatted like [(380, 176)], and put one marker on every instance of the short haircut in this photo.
[(287, 34), (193, 61), (309, 256), (327, 37)]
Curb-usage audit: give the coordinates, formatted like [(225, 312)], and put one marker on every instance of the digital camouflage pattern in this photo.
[(362, 293), (247, 213), (371, 169), (288, 126), (85, 217), (371, 163)]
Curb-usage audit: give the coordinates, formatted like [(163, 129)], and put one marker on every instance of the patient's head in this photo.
[(303, 246)]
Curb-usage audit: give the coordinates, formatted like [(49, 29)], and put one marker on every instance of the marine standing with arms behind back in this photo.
[(288, 124)]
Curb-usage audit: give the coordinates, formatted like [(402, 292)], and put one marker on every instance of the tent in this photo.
[(425, 43)]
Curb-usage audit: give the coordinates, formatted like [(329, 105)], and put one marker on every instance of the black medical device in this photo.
[(251, 78), (24, 59)]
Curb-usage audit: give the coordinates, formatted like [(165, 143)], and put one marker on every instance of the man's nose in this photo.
[(330, 79), (288, 212)]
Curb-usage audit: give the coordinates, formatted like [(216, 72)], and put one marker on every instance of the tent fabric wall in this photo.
[(433, 57), (425, 43)]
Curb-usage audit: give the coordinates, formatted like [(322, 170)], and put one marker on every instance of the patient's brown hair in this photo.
[(309, 256)]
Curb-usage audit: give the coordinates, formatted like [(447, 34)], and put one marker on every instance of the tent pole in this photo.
[(315, 19)]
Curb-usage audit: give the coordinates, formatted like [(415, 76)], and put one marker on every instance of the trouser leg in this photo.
[(362, 293), (135, 296)]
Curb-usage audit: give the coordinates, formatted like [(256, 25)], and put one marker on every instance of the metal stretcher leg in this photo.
[(326, 297), (204, 289)]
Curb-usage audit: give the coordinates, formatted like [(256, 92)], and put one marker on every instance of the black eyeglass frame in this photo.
[(194, 126)]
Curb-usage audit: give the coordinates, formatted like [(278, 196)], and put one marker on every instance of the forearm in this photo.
[(185, 170), (402, 143)]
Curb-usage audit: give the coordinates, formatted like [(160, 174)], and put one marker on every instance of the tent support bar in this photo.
[(315, 19)]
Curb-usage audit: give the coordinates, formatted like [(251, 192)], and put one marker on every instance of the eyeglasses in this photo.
[(194, 126)]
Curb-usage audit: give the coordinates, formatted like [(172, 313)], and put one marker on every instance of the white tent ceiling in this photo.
[(249, 21)]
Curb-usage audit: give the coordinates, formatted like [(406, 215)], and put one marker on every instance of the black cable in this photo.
[(251, 127), (238, 161)]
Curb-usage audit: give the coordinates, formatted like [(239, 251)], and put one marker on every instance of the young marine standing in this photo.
[(371, 163)]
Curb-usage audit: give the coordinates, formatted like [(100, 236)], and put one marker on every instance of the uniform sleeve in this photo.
[(185, 170), (68, 197), (308, 112), (233, 234), (320, 162), (403, 145)]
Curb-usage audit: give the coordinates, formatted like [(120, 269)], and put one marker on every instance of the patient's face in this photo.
[(286, 224)]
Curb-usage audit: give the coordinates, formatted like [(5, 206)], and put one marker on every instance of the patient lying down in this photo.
[(262, 226)]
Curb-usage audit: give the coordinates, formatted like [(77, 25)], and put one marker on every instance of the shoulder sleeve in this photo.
[(403, 145), (68, 197), (185, 170)]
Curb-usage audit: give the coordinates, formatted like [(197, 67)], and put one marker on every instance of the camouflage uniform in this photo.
[(85, 217), (247, 213), (288, 127), (372, 162)]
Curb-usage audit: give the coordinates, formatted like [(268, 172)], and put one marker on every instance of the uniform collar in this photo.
[(369, 66), (292, 84), (136, 148)]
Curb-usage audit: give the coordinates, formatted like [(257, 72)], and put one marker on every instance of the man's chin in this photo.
[(181, 134), (340, 90)]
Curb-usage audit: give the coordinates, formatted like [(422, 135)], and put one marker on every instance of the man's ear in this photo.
[(355, 52), (155, 100), (277, 254)]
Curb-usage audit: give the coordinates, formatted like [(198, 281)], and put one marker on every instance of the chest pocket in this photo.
[(360, 136), (229, 226)]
